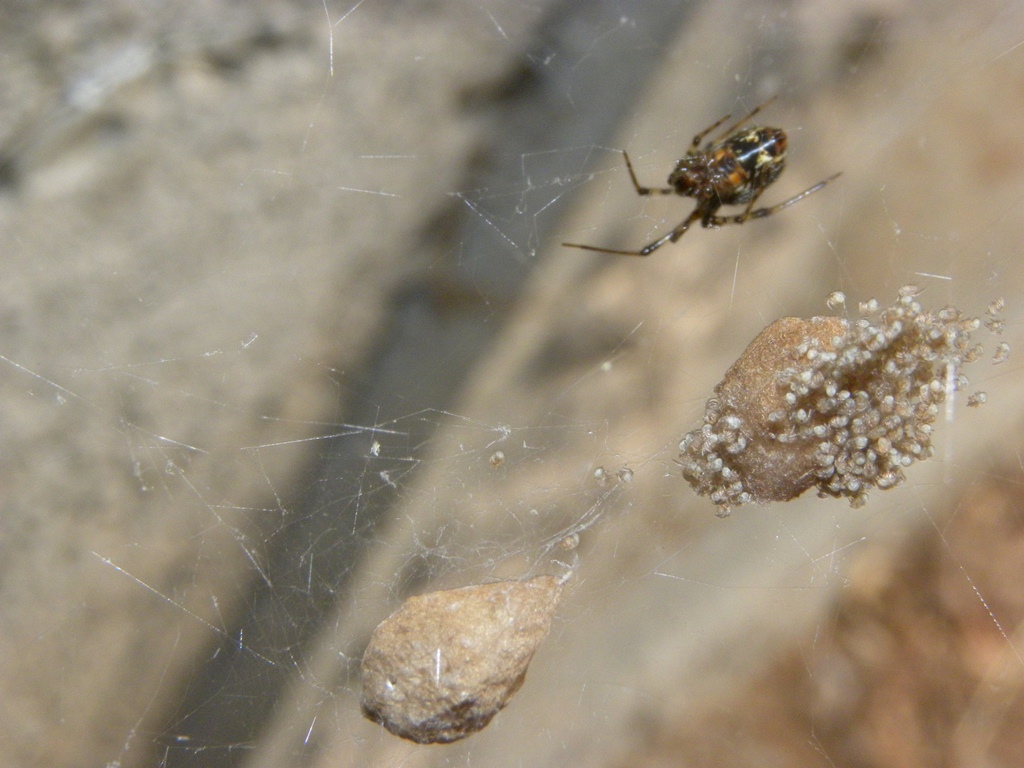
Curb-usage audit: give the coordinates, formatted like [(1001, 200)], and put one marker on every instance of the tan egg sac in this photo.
[(839, 404), (445, 663)]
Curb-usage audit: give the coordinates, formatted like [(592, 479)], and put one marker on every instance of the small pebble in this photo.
[(445, 663)]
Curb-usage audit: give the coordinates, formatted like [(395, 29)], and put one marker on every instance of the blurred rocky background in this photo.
[(281, 280)]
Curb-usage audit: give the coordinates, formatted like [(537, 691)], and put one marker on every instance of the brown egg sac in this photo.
[(445, 663), (839, 404)]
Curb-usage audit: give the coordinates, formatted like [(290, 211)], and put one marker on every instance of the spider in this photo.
[(731, 169)]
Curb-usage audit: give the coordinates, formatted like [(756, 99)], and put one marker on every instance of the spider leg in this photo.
[(672, 236), (760, 213), (714, 222), (645, 190), (728, 131), (650, 248), (700, 136)]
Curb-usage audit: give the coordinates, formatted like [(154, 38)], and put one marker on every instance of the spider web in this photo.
[(369, 371)]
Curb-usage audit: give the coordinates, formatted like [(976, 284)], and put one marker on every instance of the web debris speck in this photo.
[(828, 402)]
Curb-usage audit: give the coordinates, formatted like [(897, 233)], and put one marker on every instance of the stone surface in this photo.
[(445, 663)]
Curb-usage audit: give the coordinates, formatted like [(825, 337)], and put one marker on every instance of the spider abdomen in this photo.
[(747, 162)]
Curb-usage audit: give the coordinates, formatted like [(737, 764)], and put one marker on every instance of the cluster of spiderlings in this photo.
[(843, 405), (872, 401), (704, 455)]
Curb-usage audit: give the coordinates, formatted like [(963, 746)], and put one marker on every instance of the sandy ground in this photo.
[(219, 222)]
